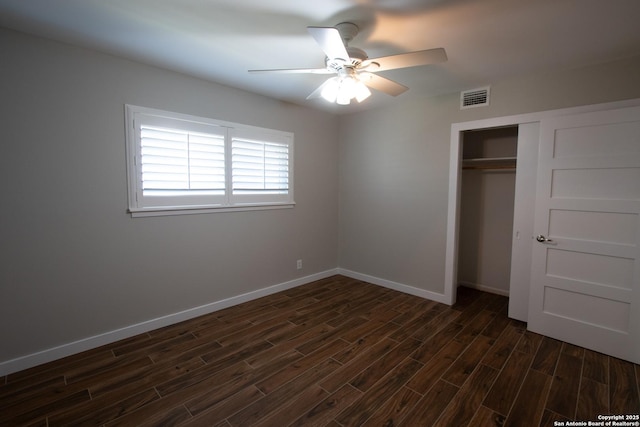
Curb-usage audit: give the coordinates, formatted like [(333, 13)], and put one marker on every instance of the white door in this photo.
[(585, 286), (523, 209)]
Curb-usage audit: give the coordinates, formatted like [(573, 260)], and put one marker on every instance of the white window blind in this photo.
[(175, 162), (181, 163), (259, 167)]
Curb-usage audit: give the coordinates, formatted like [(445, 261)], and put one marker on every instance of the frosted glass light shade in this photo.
[(362, 92), (330, 89), (343, 89)]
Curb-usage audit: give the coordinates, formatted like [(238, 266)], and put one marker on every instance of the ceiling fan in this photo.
[(354, 69)]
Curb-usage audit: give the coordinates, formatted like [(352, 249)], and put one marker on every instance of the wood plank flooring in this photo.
[(336, 352)]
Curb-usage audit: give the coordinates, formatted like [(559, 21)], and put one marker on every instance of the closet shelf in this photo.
[(489, 163)]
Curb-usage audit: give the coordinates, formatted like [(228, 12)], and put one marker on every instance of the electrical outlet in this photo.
[(299, 264)]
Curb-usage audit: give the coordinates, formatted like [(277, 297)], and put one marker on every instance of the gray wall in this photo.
[(74, 264), (394, 167)]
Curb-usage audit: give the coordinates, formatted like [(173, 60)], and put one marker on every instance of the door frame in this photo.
[(455, 169)]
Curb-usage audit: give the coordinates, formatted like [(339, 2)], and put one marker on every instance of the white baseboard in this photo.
[(51, 354), (484, 288), (434, 296)]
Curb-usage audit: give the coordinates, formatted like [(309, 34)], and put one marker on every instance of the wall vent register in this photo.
[(474, 98)]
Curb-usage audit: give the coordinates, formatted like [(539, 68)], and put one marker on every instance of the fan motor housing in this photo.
[(356, 54), (356, 57), (347, 30)]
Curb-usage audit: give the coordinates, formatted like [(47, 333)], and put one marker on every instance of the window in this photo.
[(184, 164)]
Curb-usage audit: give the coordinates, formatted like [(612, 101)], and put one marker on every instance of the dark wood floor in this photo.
[(337, 352)]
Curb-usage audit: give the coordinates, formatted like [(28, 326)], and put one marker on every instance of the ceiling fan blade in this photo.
[(411, 59), (382, 84), (330, 41), (295, 71)]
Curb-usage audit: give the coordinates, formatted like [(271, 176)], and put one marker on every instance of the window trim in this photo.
[(230, 203)]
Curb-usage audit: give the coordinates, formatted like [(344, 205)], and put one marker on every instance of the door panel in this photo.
[(587, 309), (597, 269), (586, 225), (586, 264), (603, 183), (586, 141)]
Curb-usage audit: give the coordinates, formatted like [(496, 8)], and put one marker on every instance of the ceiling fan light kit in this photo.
[(353, 67), (342, 89)]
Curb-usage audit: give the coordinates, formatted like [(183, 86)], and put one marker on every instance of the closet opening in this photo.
[(487, 199)]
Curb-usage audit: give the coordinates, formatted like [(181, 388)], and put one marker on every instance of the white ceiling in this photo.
[(219, 40)]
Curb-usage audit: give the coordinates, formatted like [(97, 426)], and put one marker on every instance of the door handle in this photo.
[(542, 239)]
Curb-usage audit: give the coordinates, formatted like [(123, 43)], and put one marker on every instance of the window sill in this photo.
[(185, 210)]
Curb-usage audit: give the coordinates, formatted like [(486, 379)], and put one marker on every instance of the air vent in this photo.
[(474, 98)]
